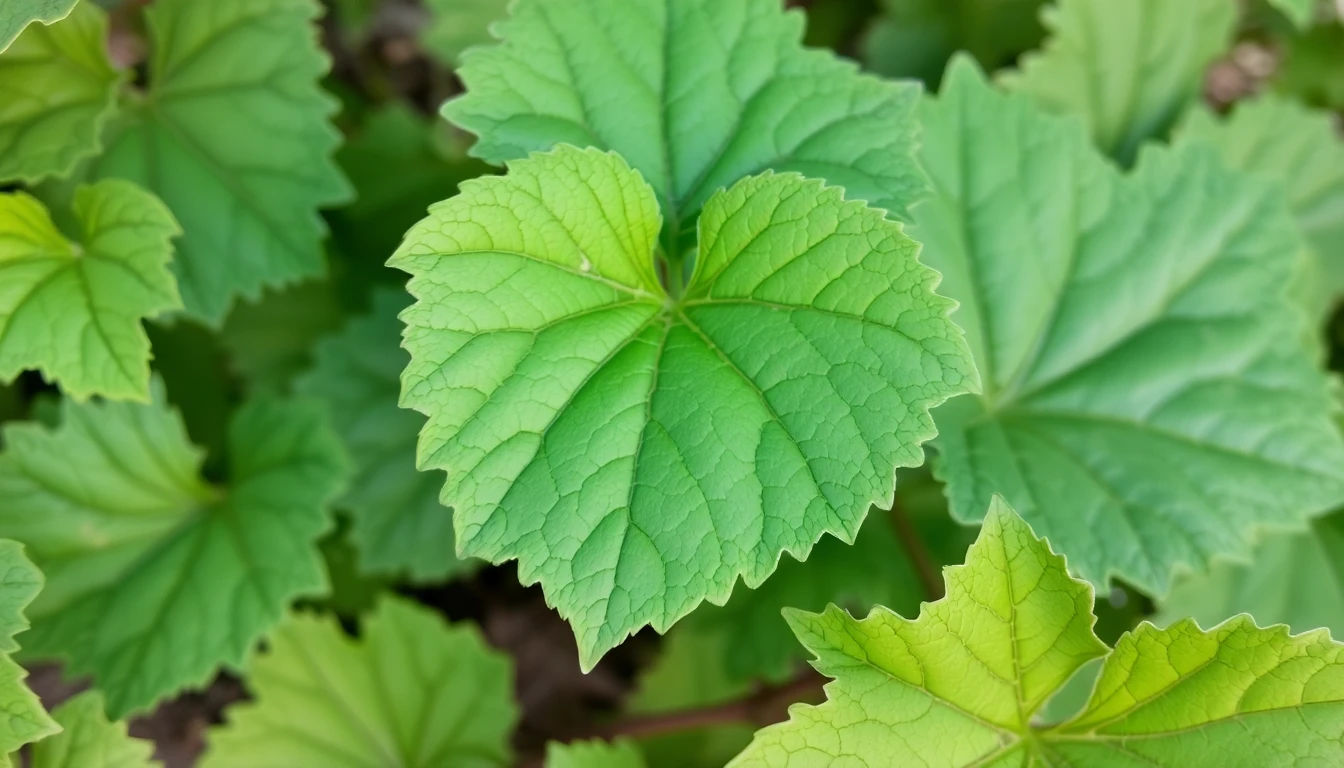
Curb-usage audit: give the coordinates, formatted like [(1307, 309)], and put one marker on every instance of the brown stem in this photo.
[(929, 574)]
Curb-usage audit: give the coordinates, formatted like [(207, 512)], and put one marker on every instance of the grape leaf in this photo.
[(59, 89), (154, 577), (961, 684), (1300, 150), (1127, 68), (88, 740), (24, 718), (398, 523), (637, 453), (1300, 12), (695, 94), (15, 15), (1140, 405), (73, 310), (456, 25), (411, 692), (593, 754), (233, 108)]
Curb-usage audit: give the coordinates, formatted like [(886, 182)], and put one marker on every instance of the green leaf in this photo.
[(270, 340), (74, 309), (1118, 322), (963, 684), (24, 718), (915, 38), (398, 523), (59, 89), (637, 453), (17, 14), (411, 692), (1300, 12), (88, 740), (1128, 69), (1312, 69), (694, 94), (593, 754), (1298, 149), (456, 25), (156, 579), (234, 110)]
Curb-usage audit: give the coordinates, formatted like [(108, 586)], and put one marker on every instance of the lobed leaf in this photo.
[(24, 720), (88, 740)]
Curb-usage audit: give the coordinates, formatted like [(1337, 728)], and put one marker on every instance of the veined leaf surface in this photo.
[(17, 14)]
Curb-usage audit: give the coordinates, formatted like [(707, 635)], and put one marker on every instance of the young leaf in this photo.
[(234, 110), (399, 525), (73, 309), (60, 88), (695, 94), (17, 14), (154, 577), (24, 718), (411, 692), (961, 684), (593, 754), (456, 25), (1128, 68), (1141, 407), (88, 740), (636, 452)]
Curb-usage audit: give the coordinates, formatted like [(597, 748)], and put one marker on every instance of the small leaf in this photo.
[(17, 14), (156, 579), (88, 740), (412, 692), (24, 718), (74, 310), (637, 453), (456, 25), (593, 754), (60, 88), (1128, 68)]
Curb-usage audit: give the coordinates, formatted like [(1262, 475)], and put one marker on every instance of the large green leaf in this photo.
[(456, 25), (156, 578), (24, 718), (232, 133), (399, 525), (74, 309), (17, 14), (412, 692), (57, 87), (695, 94), (1141, 407), (593, 754), (961, 685), (637, 453), (1127, 68), (88, 740)]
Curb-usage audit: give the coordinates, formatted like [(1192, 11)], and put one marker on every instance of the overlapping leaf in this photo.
[(637, 453), (88, 740), (24, 718), (412, 692), (74, 309), (1141, 407), (17, 14), (154, 577)]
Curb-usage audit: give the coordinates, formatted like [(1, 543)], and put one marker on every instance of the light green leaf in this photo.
[(17, 14), (156, 579), (593, 754), (412, 692), (637, 453), (694, 94), (58, 89), (234, 110), (456, 25), (1141, 407), (1300, 12), (398, 523), (1129, 68), (24, 718), (1300, 150), (74, 309), (88, 740)]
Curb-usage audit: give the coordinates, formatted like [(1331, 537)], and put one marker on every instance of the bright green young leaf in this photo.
[(637, 453), (962, 684), (1300, 12), (695, 94), (593, 754), (88, 740), (24, 718), (411, 692), (234, 110), (74, 309), (1141, 407), (1128, 68), (155, 578), (58, 89), (17, 14), (1299, 149), (456, 25), (398, 524)]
